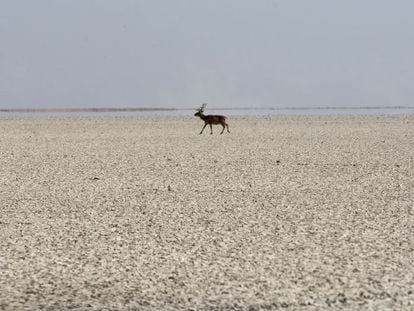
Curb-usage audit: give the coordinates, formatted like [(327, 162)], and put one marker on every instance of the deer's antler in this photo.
[(201, 109)]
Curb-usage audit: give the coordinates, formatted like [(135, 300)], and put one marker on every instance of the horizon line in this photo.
[(144, 109)]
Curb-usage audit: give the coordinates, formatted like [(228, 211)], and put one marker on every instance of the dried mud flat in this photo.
[(297, 213)]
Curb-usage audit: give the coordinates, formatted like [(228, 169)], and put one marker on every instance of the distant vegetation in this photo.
[(85, 109), (33, 110)]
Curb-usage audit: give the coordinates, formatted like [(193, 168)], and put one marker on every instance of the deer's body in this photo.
[(212, 119)]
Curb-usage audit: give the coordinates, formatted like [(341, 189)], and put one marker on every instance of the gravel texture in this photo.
[(296, 213)]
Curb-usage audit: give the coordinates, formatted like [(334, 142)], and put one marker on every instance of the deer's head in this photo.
[(200, 110)]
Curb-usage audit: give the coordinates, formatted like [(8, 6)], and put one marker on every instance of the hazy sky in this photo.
[(229, 53)]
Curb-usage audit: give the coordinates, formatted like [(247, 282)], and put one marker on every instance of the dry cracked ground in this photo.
[(294, 213)]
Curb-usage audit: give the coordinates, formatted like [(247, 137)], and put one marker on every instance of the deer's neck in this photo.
[(203, 117)]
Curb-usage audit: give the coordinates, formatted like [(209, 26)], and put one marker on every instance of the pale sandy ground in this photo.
[(297, 213)]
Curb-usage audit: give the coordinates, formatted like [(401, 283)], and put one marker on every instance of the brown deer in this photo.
[(211, 119)]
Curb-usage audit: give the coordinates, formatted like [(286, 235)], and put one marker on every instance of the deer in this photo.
[(211, 119)]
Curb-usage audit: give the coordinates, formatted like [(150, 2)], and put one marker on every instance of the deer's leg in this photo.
[(211, 129), (205, 124), (222, 124)]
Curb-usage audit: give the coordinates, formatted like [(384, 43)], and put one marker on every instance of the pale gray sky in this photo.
[(229, 53)]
